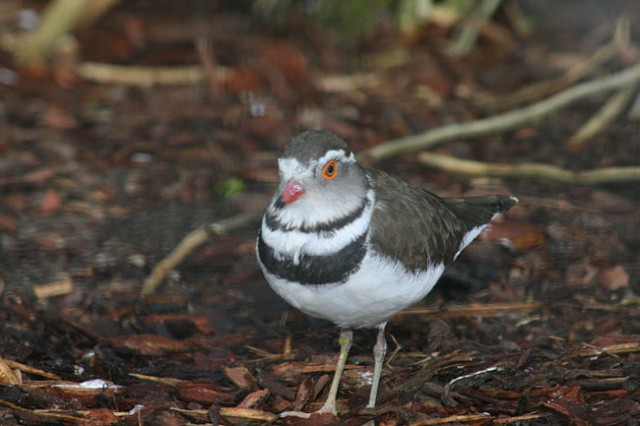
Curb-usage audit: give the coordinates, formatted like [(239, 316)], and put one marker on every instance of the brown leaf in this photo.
[(150, 344), (8, 223), (304, 393), (202, 392), (7, 375), (87, 392), (59, 118), (314, 420), (240, 376), (523, 235), (614, 278), (254, 398), (100, 416), (200, 322)]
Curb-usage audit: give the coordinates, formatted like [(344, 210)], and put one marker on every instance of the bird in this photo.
[(355, 245)]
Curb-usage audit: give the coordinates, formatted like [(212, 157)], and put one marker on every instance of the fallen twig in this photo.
[(621, 348), (45, 416), (530, 171), (146, 76), (30, 370), (521, 418), (502, 122), (446, 392), (479, 310), (37, 176), (236, 412), (7, 375), (59, 18), (466, 37), (190, 242), (607, 114), (621, 38), (170, 381), (459, 418)]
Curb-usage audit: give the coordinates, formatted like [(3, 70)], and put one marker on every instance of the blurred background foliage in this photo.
[(343, 21)]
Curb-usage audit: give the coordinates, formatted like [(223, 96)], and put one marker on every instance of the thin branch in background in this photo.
[(530, 171), (145, 76), (517, 19), (634, 111), (506, 121), (209, 63), (621, 39), (59, 18), (190, 242), (471, 310), (467, 36), (606, 115)]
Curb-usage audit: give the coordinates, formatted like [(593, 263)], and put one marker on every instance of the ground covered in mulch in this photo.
[(537, 324)]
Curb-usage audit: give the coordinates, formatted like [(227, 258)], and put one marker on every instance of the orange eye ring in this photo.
[(330, 170)]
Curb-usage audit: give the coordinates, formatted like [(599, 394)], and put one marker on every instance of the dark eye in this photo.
[(330, 170)]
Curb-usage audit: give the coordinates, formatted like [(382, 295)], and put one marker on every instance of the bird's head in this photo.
[(320, 180)]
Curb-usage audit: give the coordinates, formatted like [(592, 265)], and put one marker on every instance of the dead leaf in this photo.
[(614, 278), (240, 376), (150, 344), (202, 392), (254, 398)]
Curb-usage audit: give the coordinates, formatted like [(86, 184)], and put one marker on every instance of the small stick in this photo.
[(620, 348), (59, 18), (145, 76), (457, 418), (621, 38), (479, 310), (236, 412), (607, 114), (190, 242), (466, 38), (30, 370), (530, 171), (506, 121)]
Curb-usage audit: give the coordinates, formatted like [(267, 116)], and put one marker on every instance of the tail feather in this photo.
[(479, 210)]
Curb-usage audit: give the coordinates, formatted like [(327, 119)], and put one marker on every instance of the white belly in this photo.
[(378, 290)]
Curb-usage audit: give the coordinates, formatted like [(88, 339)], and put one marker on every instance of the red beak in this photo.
[(291, 192)]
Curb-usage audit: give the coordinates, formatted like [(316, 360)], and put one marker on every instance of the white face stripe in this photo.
[(293, 242), (292, 168), (336, 154), (316, 206)]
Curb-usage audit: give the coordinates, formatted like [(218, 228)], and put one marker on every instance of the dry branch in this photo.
[(506, 121), (235, 412), (459, 418), (621, 38), (622, 348), (59, 18), (477, 310), (607, 114), (530, 171), (145, 76), (466, 38), (190, 242), (31, 370)]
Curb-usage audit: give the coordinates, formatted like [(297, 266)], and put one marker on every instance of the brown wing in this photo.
[(411, 224)]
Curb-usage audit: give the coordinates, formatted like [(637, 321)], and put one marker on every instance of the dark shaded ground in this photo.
[(99, 182)]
